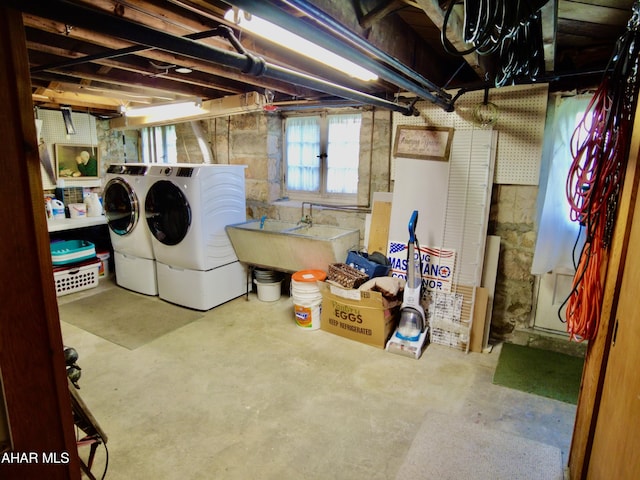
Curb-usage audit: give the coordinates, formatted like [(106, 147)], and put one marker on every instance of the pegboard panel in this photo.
[(53, 132), (520, 124)]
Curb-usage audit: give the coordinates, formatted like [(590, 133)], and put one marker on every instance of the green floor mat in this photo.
[(541, 372)]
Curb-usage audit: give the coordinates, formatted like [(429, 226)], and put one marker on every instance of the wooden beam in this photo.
[(379, 12), (147, 71), (32, 363), (51, 97), (549, 28), (161, 57), (121, 77), (598, 14)]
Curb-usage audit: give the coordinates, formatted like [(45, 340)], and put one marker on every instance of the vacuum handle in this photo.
[(412, 226)]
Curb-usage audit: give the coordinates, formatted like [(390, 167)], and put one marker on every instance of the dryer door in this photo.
[(121, 206), (168, 212)]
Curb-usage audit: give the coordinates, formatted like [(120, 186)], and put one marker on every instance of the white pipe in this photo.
[(205, 148)]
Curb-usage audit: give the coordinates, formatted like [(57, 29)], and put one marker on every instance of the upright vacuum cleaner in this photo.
[(411, 333)]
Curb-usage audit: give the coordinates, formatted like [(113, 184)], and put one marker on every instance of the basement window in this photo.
[(159, 144), (322, 156)]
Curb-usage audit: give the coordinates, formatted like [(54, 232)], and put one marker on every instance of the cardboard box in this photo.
[(364, 316)]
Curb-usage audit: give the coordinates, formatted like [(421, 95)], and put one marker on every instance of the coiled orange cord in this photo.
[(584, 304), (599, 146)]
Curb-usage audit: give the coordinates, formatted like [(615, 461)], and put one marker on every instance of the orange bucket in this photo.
[(307, 298)]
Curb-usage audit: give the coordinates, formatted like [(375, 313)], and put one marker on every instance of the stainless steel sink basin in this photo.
[(291, 247)]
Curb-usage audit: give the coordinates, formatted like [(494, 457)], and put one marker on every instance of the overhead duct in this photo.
[(348, 44), (82, 16)]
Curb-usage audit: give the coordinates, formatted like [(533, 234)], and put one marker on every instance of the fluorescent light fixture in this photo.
[(186, 111), (285, 38), (178, 109)]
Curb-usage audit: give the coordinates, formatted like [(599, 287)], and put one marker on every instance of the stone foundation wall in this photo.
[(116, 146), (255, 140), (512, 217)]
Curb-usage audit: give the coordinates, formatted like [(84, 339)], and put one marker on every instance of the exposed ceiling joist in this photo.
[(73, 62), (549, 14)]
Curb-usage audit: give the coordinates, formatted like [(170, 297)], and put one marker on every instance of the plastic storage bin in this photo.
[(361, 262), (77, 277), (71, 251)]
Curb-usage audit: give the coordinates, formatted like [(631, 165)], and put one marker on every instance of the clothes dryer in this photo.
[(125, 189), (187, 208)]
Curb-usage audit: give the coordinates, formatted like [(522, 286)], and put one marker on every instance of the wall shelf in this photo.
[(60, 225)]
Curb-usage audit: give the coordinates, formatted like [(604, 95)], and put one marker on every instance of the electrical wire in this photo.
[(511, 28), (575, 260), (106, 461), (600, 149)]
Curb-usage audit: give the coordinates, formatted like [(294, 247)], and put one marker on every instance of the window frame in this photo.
[(148, 149), (320, 195)]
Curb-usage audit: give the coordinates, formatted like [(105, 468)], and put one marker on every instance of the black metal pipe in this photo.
[(117, 53), (326, 21), (118, 27), (277, 72), (413, 82)]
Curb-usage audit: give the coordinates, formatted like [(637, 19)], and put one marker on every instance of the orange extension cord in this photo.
[(592, 190), (585, 300), (585, 200), (596, 176)]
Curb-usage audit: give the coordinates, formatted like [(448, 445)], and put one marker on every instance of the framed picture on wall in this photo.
[(423, 143), (77, 161)]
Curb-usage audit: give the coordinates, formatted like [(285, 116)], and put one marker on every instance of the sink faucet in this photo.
[(305, 220)]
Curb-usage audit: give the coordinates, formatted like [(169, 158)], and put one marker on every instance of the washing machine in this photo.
[(123, 196), (187, 208)]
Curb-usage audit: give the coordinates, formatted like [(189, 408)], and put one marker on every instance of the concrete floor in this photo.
[(243, 393)]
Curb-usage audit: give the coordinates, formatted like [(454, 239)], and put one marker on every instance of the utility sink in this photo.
[(289, 246)]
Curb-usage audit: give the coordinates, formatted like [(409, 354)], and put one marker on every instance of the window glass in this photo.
[(343, 152), (159, 144), (322, 154), (557, 235), (303, 153)]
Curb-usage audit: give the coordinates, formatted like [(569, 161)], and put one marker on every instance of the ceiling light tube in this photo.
[(218, 107), (178, 109), (284, 38)]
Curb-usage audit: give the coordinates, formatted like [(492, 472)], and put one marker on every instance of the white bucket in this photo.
[(77, 210), (268, 292), (307, 298)]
